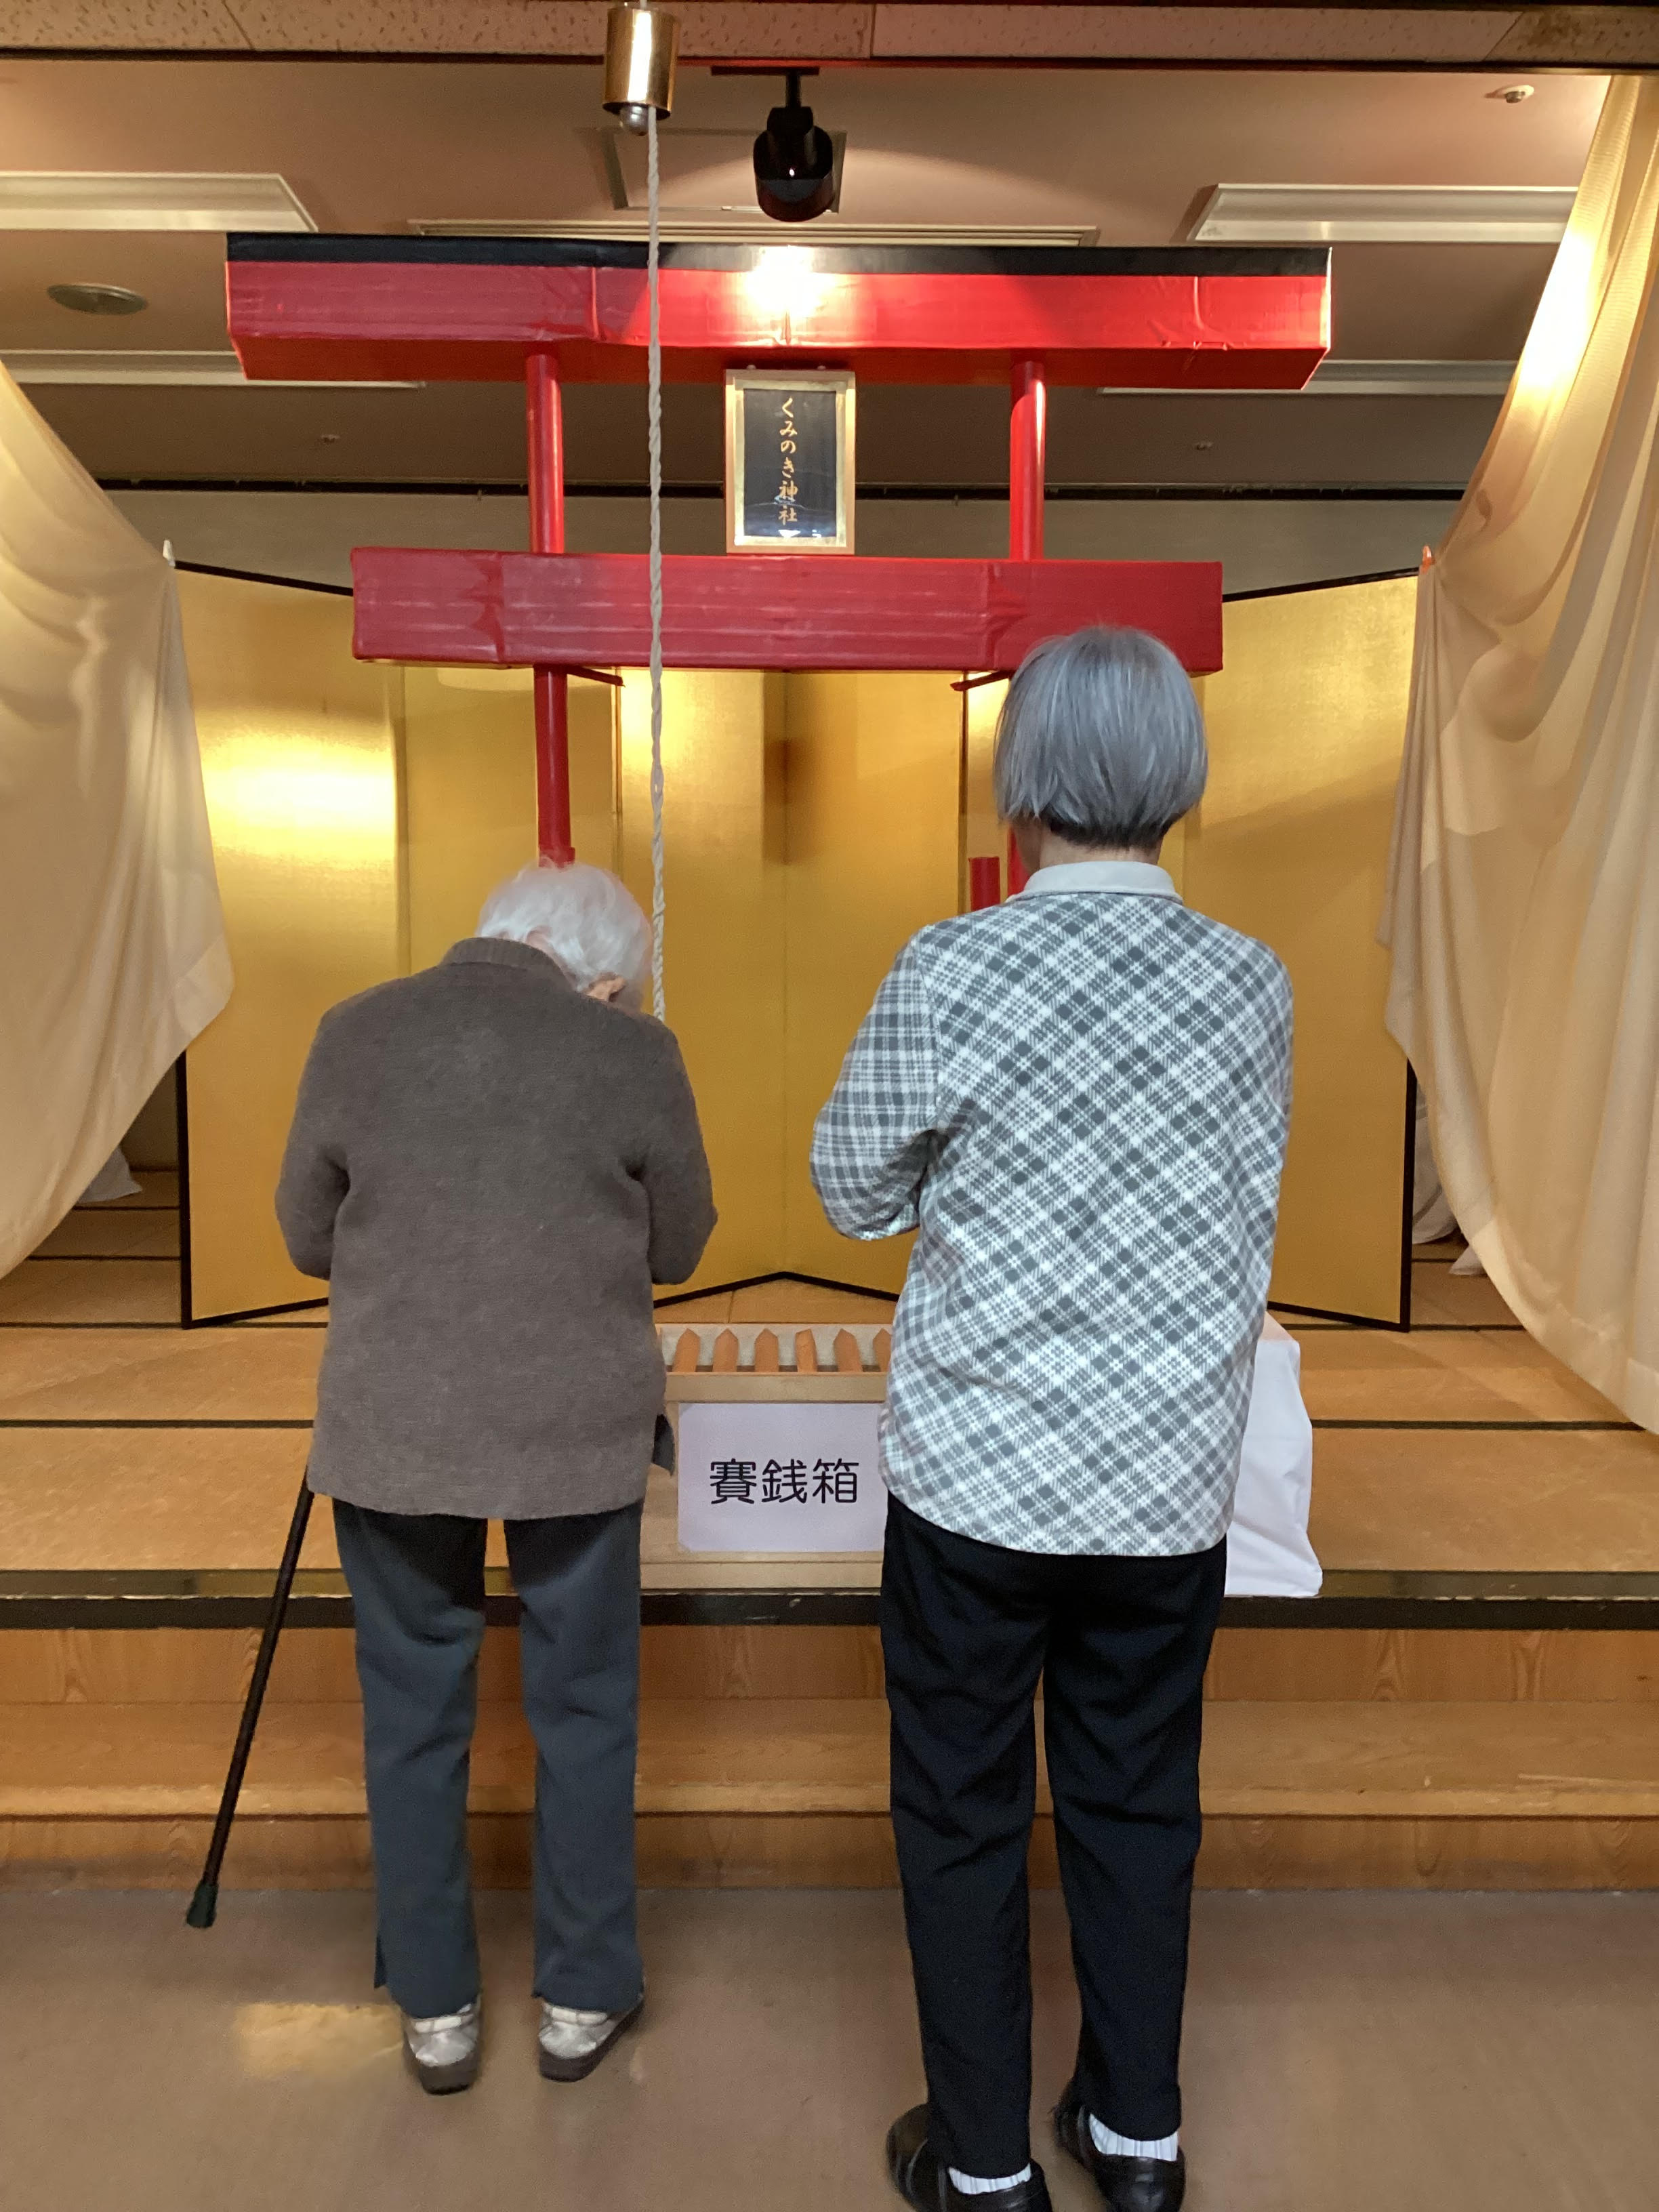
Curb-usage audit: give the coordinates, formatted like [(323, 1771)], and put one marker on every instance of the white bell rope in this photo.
[(653, 415)]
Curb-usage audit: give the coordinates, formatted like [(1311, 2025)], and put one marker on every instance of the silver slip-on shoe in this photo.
[(570, 2042), (443, 2052)]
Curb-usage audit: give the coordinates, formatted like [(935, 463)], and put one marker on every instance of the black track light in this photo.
[(794, 160)]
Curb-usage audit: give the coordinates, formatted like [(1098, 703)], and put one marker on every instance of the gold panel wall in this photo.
[(724, 962), (874, 813), (1306, 722), (299, 755), (813, 823), (470, 791), (983, 836)]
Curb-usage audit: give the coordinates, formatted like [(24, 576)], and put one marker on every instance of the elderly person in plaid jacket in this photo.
[(1080, 1100)]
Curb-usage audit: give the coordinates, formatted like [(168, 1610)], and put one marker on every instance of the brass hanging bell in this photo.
[(642, 46)]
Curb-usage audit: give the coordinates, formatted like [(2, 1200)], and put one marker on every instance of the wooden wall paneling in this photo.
[(1365, 1853), (747, 1851), (1257, 1665), (1459, 1665), (760, 1663), (1498, 1760)]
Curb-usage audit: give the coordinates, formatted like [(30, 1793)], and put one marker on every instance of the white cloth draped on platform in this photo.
[(1433, 1218), (114, 953), (1523, 905), (114, 1182)]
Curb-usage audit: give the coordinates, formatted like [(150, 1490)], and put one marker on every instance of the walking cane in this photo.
[(204, 1905)]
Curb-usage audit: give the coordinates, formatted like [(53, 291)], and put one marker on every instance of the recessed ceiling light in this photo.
[(1364, 379), (1513, 94), (743, 226), (44, 199), (133, 365), (1421, 380), (1396, 215), (98, 299)]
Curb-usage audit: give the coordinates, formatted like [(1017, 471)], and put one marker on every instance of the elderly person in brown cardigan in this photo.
[(491, 1163)]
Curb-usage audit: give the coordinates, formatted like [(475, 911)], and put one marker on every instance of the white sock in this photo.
[(1112, 2145), (976, 2185)]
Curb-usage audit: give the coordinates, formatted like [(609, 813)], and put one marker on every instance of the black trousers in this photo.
[(417, 1592), (1121, 1645)]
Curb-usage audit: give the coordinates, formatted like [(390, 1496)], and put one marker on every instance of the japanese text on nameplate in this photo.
[(780, 1477)]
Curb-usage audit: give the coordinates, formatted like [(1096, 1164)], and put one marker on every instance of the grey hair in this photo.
[(586, 920), (1101, 739)]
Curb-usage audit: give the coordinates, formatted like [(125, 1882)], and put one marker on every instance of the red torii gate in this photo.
[(541, 311)]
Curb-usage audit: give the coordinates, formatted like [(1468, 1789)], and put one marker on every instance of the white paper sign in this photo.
[(800, 1478)]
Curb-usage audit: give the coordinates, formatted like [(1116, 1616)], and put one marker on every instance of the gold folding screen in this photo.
[(360, 814), (812, 827), (723, 968), (873, 783), (468, 757), (813, 823), (300, 759), (1306, 721)]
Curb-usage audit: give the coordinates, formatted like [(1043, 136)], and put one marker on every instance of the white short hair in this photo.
[(1101, 739), (584, 918)]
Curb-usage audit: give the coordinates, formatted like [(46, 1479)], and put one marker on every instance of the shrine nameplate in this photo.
[(789, 461)]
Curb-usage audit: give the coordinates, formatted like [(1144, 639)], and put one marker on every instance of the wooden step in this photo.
[(211, 1666), (790, 1756)]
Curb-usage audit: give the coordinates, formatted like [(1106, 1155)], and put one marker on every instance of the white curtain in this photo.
[(112, 952), (1523, 909)]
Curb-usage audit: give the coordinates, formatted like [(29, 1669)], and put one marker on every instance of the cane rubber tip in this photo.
[(204, 1906)]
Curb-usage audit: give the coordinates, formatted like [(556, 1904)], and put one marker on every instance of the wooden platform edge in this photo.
[(1354, 1599), (712, 1851), (330, 1801)]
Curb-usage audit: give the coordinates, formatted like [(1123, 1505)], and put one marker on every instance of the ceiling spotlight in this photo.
[(794, 160), (642, 46), (1513, 94), (98, 299)]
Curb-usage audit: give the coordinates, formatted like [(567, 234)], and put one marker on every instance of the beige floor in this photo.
[(1357, 2053), (126, 1443)]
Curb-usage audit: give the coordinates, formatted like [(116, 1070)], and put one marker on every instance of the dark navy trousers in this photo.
[(417, 1591), (1120, 1645)]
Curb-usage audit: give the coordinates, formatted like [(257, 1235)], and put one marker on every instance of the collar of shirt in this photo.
[(1144, 878), (508, 953)]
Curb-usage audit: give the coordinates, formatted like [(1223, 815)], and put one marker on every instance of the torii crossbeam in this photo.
[(543, 311)]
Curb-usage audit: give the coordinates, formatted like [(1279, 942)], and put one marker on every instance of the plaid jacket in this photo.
[(1080, 1100)]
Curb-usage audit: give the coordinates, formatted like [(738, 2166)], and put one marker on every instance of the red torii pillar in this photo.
[(544, 410), (544, 311), (1028, 455)]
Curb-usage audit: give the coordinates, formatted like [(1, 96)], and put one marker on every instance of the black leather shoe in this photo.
[(1128, 2185), (921, 2181)]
